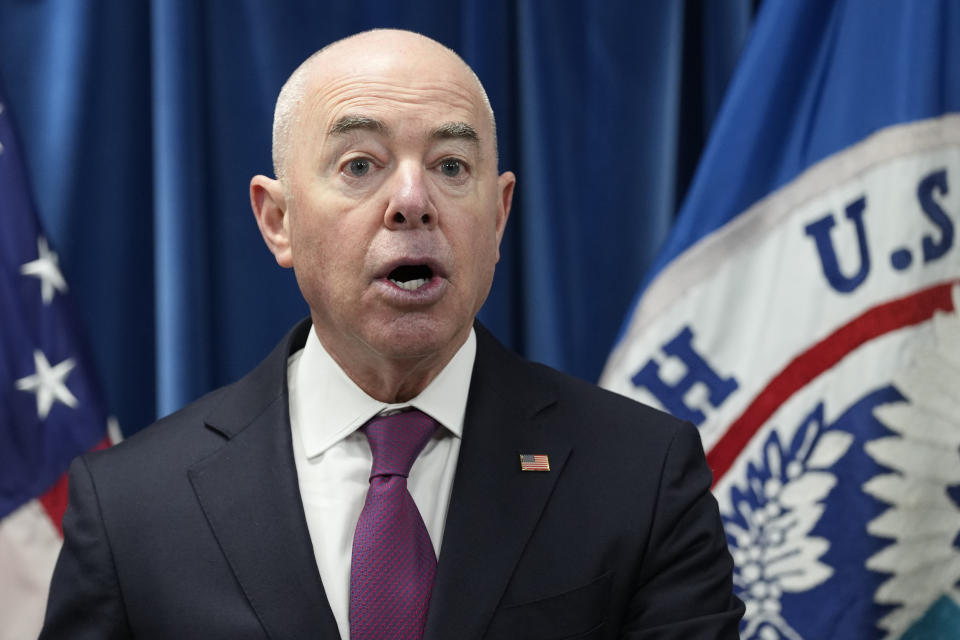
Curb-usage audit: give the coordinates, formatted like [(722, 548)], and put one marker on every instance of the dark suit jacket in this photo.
[(194, 527)]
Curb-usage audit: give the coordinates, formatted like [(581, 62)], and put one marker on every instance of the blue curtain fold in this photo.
[(142, 123)]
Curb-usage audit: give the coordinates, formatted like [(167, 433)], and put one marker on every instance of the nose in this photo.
[(410, 206)]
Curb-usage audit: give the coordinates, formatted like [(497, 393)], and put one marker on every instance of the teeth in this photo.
[(410, 285)]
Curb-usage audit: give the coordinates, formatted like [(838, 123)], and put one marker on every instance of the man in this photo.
[(548, 508)]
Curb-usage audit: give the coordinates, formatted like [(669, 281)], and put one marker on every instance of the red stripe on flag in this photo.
[(54, 501), (873, 323)]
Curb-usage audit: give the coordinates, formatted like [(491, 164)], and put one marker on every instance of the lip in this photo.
[(433, 264), (426, 295)]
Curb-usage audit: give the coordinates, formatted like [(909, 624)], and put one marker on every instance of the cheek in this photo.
[(307, 243), (481, 247), (329, 254), (315, 226), (312, 255)]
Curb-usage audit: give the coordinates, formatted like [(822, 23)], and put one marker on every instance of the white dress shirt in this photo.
[(333, 458)]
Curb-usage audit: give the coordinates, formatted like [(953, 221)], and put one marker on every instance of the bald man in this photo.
[(532, 505)]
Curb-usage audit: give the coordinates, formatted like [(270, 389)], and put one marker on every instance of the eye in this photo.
[(359, 167), (451, 167)]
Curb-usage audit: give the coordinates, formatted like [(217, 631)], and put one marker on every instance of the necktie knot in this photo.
[(396, 440)]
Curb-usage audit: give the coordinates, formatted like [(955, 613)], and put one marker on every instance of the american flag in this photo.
[(534, 462), (51, 409)]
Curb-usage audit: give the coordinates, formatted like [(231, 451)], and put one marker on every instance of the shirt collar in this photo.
[(335, 406)]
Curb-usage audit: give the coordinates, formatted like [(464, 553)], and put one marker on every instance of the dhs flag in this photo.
[(805, 314), (50, 408)]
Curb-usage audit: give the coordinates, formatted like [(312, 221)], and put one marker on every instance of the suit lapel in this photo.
[(250, 495), (494, 506)]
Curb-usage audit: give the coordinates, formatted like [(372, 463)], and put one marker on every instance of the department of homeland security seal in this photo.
[(815, 341)]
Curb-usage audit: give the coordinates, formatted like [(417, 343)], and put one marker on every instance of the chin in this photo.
[(418, 338)]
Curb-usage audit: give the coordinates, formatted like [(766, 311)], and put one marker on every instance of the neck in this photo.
[(391, 379)]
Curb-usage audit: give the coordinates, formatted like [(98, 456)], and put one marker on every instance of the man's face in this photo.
[(395, 209)]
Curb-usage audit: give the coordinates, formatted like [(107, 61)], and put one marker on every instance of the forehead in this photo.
[(401, 88), (392, 100)]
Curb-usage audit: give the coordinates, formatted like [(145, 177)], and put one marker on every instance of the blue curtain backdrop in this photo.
[(142, 122)]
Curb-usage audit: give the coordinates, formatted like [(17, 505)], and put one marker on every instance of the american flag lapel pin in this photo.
[(534, 462)]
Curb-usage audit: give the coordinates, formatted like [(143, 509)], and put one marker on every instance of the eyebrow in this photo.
[(349, 123), (456, 130), (446, 131)]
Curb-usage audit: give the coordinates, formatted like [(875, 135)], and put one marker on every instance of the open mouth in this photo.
[(411, 277)]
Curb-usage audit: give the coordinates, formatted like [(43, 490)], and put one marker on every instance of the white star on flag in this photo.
[(49, 383), (47, 268)]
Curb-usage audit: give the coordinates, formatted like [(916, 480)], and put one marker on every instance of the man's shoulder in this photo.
[(193, 432), (605, 413), (585, 409), (583, 390), (174, 441)]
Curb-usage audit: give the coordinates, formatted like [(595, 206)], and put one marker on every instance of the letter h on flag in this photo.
[(51, 409)]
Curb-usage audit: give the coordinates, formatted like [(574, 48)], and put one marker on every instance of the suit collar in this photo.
[(494, 506), (250, 495)]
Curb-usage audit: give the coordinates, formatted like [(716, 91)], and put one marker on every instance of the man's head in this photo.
[(387, 203), (286, 115)]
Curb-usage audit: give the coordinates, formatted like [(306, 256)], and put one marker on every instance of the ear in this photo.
[(505, 185), (270, 209)]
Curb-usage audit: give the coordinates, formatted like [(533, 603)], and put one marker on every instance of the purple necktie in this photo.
[(393, 565)]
